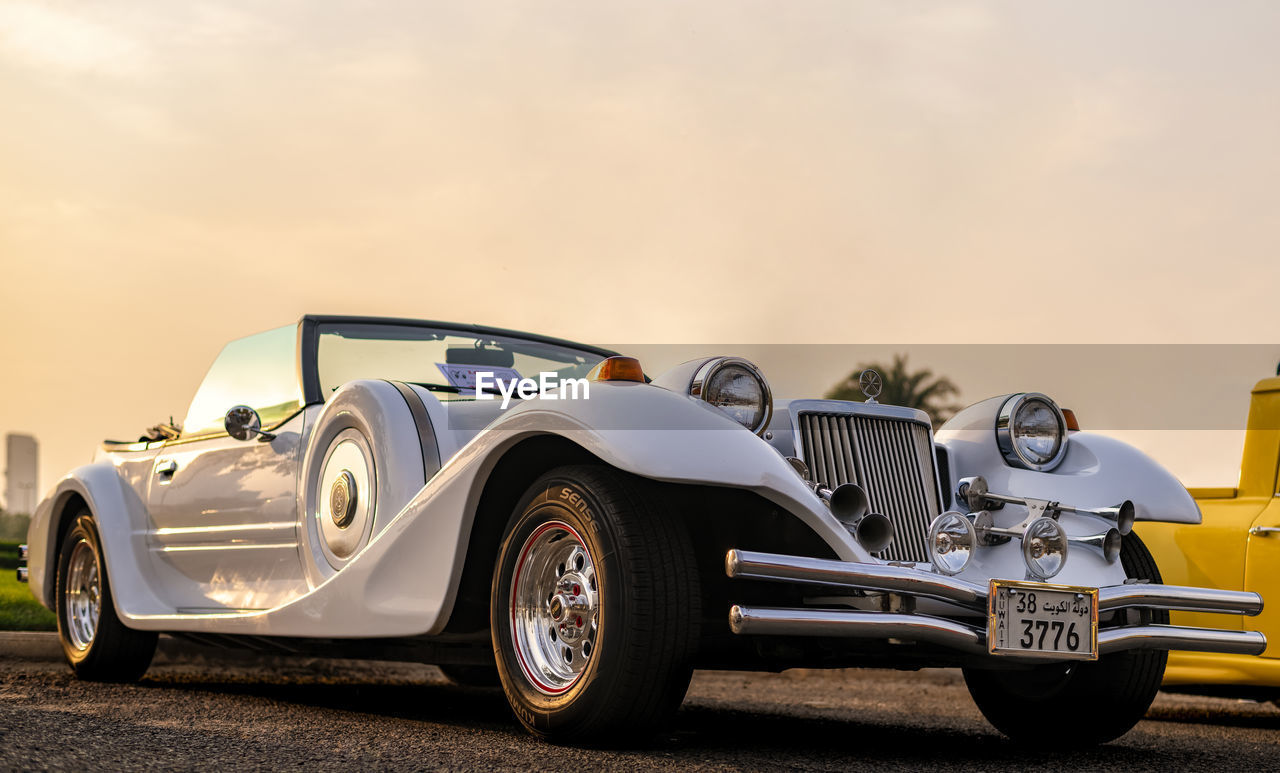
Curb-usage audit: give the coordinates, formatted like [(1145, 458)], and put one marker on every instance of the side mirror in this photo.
[(242, 423)]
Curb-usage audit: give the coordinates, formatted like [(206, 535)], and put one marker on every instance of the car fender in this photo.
[(115, 507), (1097, 471), (666, 436)]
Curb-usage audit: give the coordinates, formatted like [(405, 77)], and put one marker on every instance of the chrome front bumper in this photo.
[(961, 636)]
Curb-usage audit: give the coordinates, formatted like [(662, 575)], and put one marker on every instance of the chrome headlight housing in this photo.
[(737, 387), (1032, 432)]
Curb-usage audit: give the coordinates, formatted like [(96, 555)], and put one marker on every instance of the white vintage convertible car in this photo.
[(537, 513)]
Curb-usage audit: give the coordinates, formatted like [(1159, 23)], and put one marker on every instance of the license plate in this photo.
[(1040, 620)]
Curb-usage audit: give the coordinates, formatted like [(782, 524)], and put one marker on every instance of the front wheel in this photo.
[(595, 607), (96, 644), (1098, 700)]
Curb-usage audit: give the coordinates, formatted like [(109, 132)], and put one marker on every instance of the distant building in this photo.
[(21, 473)]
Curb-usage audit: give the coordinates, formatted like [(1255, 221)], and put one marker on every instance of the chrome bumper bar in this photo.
[(847, 623), (1176, 637), (840, 623), (1179, 598), (743, 564)]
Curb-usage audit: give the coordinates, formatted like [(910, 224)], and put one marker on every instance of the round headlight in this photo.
[(736, 387), (951, 541), (1044, 548), (1032, 432)]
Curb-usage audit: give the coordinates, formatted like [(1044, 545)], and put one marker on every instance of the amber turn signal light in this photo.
[(1070, 417), (617, 369)]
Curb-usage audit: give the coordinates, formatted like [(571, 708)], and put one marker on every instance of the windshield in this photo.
[(441, 359)]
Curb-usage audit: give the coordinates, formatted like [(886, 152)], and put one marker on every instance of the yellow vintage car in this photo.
[(1237, 547)]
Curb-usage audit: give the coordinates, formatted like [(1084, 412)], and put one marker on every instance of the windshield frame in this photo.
[(309, 342)]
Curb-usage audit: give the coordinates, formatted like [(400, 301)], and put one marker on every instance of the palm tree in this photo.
[(913, 389)]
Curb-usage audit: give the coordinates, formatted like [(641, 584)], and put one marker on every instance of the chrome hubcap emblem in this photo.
[(342, 499), (555, 608), (83, 596)]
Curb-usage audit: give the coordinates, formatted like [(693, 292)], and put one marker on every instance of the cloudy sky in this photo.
[(173, 175)]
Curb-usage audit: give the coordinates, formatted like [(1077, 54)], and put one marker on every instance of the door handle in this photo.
[(166, 468), (1263, 531)]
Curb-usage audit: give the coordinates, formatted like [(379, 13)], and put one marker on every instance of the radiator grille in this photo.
[(891, 458)]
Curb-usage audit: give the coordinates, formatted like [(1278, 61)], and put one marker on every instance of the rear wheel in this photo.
[(1099, 700), (96, 644), (595, 607)]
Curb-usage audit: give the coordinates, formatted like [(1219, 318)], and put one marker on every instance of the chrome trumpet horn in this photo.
[(1124, 514), (848, 502), (851, 506), (974, 492), (874, 532), (1108, 542)]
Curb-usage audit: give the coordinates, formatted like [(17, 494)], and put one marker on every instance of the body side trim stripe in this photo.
[(426, 433)]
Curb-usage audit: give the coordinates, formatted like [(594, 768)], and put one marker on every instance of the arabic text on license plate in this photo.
[(1035, 619)]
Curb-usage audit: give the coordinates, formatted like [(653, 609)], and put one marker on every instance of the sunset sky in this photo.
[(734, 174)]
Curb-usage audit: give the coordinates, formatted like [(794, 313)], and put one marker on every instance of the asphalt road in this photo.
[(322, 715)]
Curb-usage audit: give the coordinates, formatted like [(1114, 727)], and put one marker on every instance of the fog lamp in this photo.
[(951, 542), (1044, 548)]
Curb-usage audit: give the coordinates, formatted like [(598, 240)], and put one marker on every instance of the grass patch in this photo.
[(19, 610)]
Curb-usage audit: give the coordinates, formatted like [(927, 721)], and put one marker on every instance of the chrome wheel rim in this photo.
[(555, 608), (83, 593)]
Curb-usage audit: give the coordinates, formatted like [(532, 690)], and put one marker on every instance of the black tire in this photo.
[(1099, 700), (114, 652), (647, 608), (471, 676)]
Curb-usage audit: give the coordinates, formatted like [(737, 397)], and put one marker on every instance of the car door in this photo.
[(1262, 574), (223, 512)]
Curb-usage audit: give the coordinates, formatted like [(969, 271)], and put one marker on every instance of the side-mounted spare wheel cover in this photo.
[(347, 497), (364, 462)]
